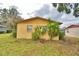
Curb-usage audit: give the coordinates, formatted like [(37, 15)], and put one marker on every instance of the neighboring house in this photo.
[(3, 29), (72, 30), (26, 27)]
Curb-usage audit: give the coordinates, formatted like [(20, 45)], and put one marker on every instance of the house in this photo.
[(26, 27), (72, 30)]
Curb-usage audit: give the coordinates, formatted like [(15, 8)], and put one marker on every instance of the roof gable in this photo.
[(38, 18), (73, 26)]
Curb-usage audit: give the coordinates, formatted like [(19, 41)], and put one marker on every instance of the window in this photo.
[(29, 28)]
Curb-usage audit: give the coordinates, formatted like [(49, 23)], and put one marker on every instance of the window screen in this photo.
[(29, 28)]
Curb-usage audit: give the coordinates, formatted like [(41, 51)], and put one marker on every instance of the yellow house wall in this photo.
[(22, 28)]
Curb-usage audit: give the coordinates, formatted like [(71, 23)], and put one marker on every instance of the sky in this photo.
[(29, 9)]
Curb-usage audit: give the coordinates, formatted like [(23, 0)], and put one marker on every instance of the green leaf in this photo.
[(54, 4)]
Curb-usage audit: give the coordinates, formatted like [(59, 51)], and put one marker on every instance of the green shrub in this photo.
[(39, 31), (61, 34), (9, 31), (35, 36), (14, 34), (53, 29)]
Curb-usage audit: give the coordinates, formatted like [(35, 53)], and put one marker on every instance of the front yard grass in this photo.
[(10, 46)]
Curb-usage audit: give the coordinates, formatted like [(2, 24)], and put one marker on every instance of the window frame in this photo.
[(29, 27)]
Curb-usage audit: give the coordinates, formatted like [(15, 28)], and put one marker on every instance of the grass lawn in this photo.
[(22, 47)]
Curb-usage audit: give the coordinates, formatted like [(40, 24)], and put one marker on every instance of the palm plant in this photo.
[(39, 31)]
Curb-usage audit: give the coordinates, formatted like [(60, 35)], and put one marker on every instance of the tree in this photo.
[(14, 16), (9, 17), (67, 7), (4, 14), (53, 29)]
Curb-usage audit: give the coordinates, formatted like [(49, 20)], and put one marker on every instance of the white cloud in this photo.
[(23, 6), (63, 16), (35, 8)]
